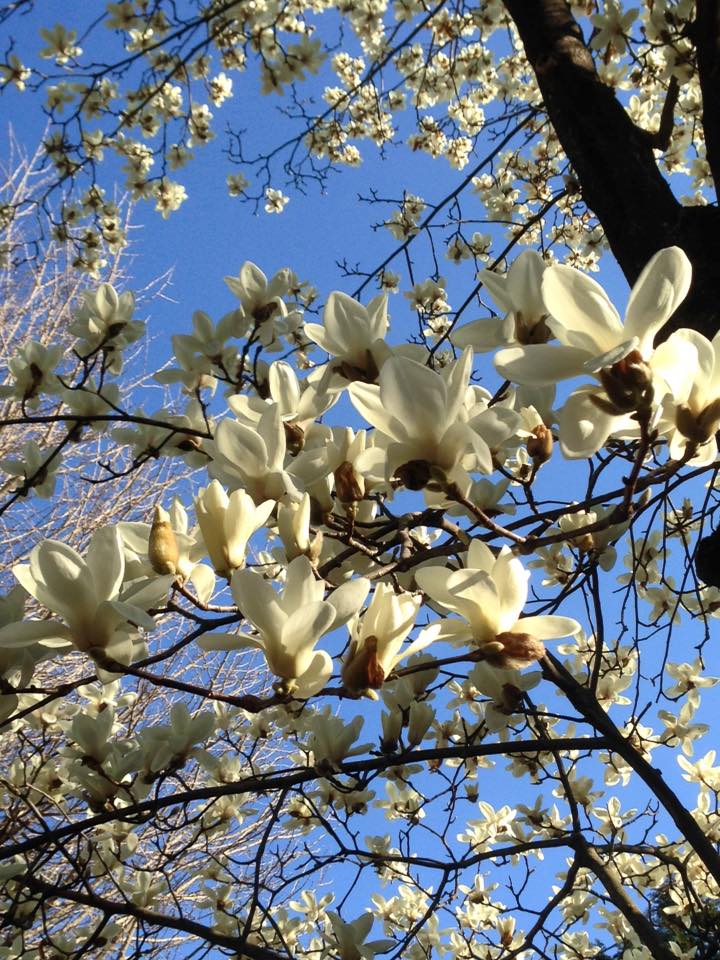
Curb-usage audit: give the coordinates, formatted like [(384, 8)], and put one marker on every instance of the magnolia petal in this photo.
[(106, 562), (677, 362), (581, 313), (365, 397), (242, 446), (524, 283), (497, 286), (291, 657), (202, 578), (27, 632), (658, 291), (301, 587), (482, 335), (346, 322), (584, 428), (540, 364), (315, 677), (416, 396), (456, 383), (347, 599), (511, 580), (284, 387), (229, 641), (258, 602), (547, 627)]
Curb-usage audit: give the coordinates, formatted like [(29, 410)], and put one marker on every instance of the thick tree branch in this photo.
[(615, 162), (706, 31)]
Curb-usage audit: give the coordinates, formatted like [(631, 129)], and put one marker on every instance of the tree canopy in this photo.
[(369, 639)]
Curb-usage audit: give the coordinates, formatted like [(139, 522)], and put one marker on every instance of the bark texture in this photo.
[(614, 159)]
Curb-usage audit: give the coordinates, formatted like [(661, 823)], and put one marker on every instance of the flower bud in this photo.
[(518, 650), (163, 551), (349, 487), (540, 444)]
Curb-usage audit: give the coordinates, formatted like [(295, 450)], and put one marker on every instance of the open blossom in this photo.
[(422, 414), (253, 457), (290, 624), (227, 523), (519, 296), (353, 335), (690, 365), (377, 638), (87, 594), (489, 595), (588, 326)]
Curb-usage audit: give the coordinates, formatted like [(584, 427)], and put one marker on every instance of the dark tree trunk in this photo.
[(614, 159)]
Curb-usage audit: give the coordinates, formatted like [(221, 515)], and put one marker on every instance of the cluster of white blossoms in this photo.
[(450, 70), (364, 560), (274, 466)]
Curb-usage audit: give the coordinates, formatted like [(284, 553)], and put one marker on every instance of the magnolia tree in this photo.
[(482, 614)]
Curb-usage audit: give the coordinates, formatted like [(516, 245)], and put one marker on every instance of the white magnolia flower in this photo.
[(348, 940), (489, 595), (690, 365), (253, 457), (588, 326), (289, 624), (87, 595), (519, 295), (423, 415), (227, 523), (300, 402), (353, 335), (377, 638)]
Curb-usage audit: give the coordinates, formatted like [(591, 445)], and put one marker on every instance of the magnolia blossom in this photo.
[(588, 326), (518, 294), (489, 595), (253, 457), (377, 638), (289, 624), (300, 402), (353, 335), (423, 416), (87, 594), (227, 523), (690, 364)]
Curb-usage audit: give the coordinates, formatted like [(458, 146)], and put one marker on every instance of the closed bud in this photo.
[(163, 551), (518, 650), (349, 487), (540, 444)]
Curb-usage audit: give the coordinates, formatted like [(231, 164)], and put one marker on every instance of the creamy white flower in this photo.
[(377, 638), (423, 415), (227, 523), (290, 624), (588, 326), (489, 595), (86, 595), (690, 365), (353, 335), (253, 457), (519, 296)]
